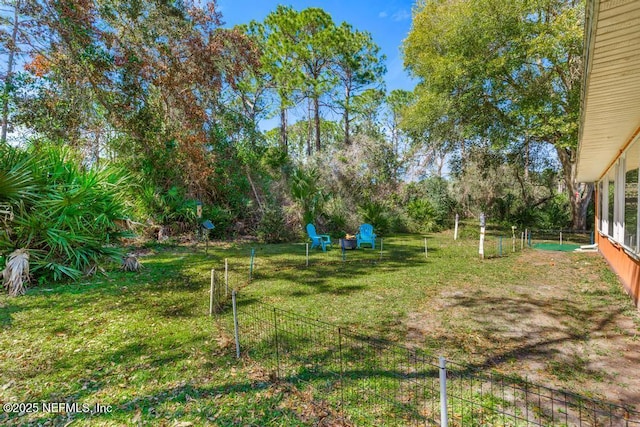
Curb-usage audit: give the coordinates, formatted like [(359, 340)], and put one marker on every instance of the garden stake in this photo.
[(307, 255)]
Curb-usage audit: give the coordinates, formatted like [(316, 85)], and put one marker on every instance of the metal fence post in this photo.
[(381, 247), (444, 415), (211, 292), (341, 369), (500, 246), (307, 255), (275, 327), (235, 323)]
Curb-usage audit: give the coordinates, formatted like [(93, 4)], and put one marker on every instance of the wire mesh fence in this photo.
[(562, 236), (487, 398), (376, 382), (266, 261)]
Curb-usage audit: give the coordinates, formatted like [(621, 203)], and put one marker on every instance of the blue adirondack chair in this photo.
[(318, 240), (366, 235)]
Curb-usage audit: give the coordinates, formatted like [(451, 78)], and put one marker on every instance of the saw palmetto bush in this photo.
[(64, 212)]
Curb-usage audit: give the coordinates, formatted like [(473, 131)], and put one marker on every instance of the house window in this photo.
[(618, 225), (631, 228), (604, 198), (601, 206), (611, 191)]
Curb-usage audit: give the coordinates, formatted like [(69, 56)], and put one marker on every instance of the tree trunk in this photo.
[(579, 194), (526, 159), (316, 118), (309, 128), (7, 80), (283, 130), (347, 140), (347, 137)]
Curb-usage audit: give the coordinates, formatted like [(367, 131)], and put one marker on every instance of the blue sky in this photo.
[(388, 21)]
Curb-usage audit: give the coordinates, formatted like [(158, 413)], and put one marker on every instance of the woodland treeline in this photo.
[(119, 113)]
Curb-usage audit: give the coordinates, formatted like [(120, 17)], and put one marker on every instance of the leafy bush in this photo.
[(169, 208), (423, 214), (429, 204), (556, 213), (271, 228), (65, 216), (375, 213), (338, 218), (221, 218), (306, 192)]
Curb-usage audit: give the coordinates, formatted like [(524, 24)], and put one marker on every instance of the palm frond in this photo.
[(16, 272)]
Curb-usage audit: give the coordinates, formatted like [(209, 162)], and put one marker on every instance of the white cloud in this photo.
[(383, 14), (401, 15)]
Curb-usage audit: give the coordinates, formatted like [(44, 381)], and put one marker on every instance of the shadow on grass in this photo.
[(169, 403), (303, 347), (6, 313), (527, 328)]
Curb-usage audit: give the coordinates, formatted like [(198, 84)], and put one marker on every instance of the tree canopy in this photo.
[(504, 71)]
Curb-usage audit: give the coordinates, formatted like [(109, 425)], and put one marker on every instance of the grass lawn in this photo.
[(144, 344)]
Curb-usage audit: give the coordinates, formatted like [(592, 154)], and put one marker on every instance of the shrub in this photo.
[(66, 216), (375, 213), (271, 228), (307, 194), (422, 214), (221, 218)]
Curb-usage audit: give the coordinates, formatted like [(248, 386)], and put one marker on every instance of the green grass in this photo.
[(144, 344)]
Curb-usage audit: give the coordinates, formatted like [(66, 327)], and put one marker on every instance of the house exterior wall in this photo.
[(624, 265)]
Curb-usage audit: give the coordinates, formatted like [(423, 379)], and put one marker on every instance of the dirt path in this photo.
[(567, 325)]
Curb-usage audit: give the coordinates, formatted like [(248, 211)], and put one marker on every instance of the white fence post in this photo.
[(444, 415), (455, 230), (482, 233)]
